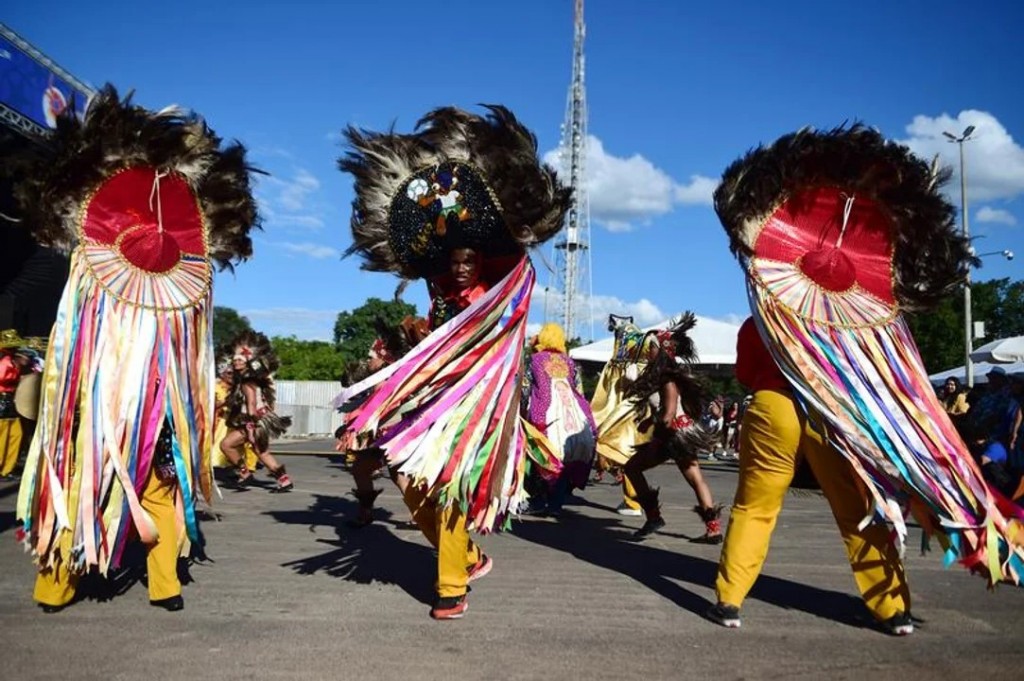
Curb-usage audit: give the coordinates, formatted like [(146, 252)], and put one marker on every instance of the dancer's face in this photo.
[(465, 267), (238, 363)]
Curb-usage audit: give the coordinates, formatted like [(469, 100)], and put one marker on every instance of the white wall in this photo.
[(309, 405)]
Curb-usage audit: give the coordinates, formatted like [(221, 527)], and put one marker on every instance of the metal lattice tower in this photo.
[(572, 287)]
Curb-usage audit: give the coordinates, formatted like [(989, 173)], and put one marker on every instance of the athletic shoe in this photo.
[(726, 615), (481, 569), (900, 624), (708, 539), (449, 608), (284, 484), (625, 509)]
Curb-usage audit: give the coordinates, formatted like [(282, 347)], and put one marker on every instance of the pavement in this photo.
[(287, 591)]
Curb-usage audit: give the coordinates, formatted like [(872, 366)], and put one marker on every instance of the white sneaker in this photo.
[(623, 509)]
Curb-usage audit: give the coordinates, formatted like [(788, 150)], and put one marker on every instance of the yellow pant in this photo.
[(446, 531), (56, 586), (10, 444), (629, 494), (774, 434)]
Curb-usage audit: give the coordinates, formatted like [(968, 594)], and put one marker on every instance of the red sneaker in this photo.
[(450, 608), (481, 568), (284, 484)]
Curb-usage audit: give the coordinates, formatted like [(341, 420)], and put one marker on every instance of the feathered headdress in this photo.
[(669, 354), (787, 201), (146, 202), (255, 349), (839, 232), (460, 180)]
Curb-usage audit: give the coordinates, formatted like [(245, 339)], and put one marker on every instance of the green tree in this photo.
[(227, 324), (355, 331), (303, 360), (939, 333)]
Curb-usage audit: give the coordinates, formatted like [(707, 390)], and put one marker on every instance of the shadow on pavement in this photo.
[(602, 542), (366, 555)]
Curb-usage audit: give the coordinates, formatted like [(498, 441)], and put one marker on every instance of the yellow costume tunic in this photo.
[(220, 431), (618, 432)]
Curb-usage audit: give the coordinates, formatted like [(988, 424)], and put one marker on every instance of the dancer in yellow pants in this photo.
[(11, 368), (459, 560), (773, 437), (55, 587), (148, 203)]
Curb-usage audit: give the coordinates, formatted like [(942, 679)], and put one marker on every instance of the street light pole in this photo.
[(968, 340)]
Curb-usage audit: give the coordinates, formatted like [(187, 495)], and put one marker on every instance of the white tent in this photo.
[(1004, 350), (981, 370), (715, 341)]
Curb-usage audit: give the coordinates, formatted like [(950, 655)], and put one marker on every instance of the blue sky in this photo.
[(676, 91)]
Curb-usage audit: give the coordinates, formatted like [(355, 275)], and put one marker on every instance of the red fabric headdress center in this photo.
[(807, 230), (152, 222)]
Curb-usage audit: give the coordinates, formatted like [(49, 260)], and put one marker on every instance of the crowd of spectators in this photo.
[(991, 421)]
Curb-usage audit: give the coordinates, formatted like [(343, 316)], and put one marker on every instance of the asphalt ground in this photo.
[(288, 591)]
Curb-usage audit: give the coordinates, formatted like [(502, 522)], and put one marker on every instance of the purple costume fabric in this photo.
[(557, 407)]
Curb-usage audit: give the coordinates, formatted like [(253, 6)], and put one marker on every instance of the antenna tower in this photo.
[(573, 286)]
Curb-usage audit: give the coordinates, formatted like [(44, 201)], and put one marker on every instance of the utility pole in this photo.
[(968, 324)]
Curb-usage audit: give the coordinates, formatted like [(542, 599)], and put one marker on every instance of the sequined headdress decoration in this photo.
[(459, 180)]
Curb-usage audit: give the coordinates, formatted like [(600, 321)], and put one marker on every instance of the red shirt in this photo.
[(755, 366), (9, 374), (447, 306)]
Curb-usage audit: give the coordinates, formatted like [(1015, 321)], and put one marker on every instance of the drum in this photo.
[(27, 396)]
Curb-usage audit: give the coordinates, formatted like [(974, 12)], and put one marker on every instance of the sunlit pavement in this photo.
[(288, 591)]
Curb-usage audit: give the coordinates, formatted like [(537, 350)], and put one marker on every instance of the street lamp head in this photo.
[(967, 131), (951, 136), (1008, 255)]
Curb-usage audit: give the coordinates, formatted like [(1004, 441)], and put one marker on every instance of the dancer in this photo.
[(557, 408), (146, 202), (250, 414), (618, 432), (225, 375), (666, 394), (13, 365), (839, 232), (457, 202), (364, 462)]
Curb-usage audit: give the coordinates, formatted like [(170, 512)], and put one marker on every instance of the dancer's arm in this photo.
[(669, 403)]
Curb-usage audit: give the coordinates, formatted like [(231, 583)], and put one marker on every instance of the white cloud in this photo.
[(304, 323), (291, 201), (294, 193), (313, 250), (698, 191), (547, 303), (994, 161), (624, 191), (989, 214)]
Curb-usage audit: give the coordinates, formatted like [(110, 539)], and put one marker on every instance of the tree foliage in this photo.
[(939, 333), (227, 324), (355, 331), (303, 360)]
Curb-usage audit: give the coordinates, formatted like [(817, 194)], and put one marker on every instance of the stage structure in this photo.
[(33, 92)]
